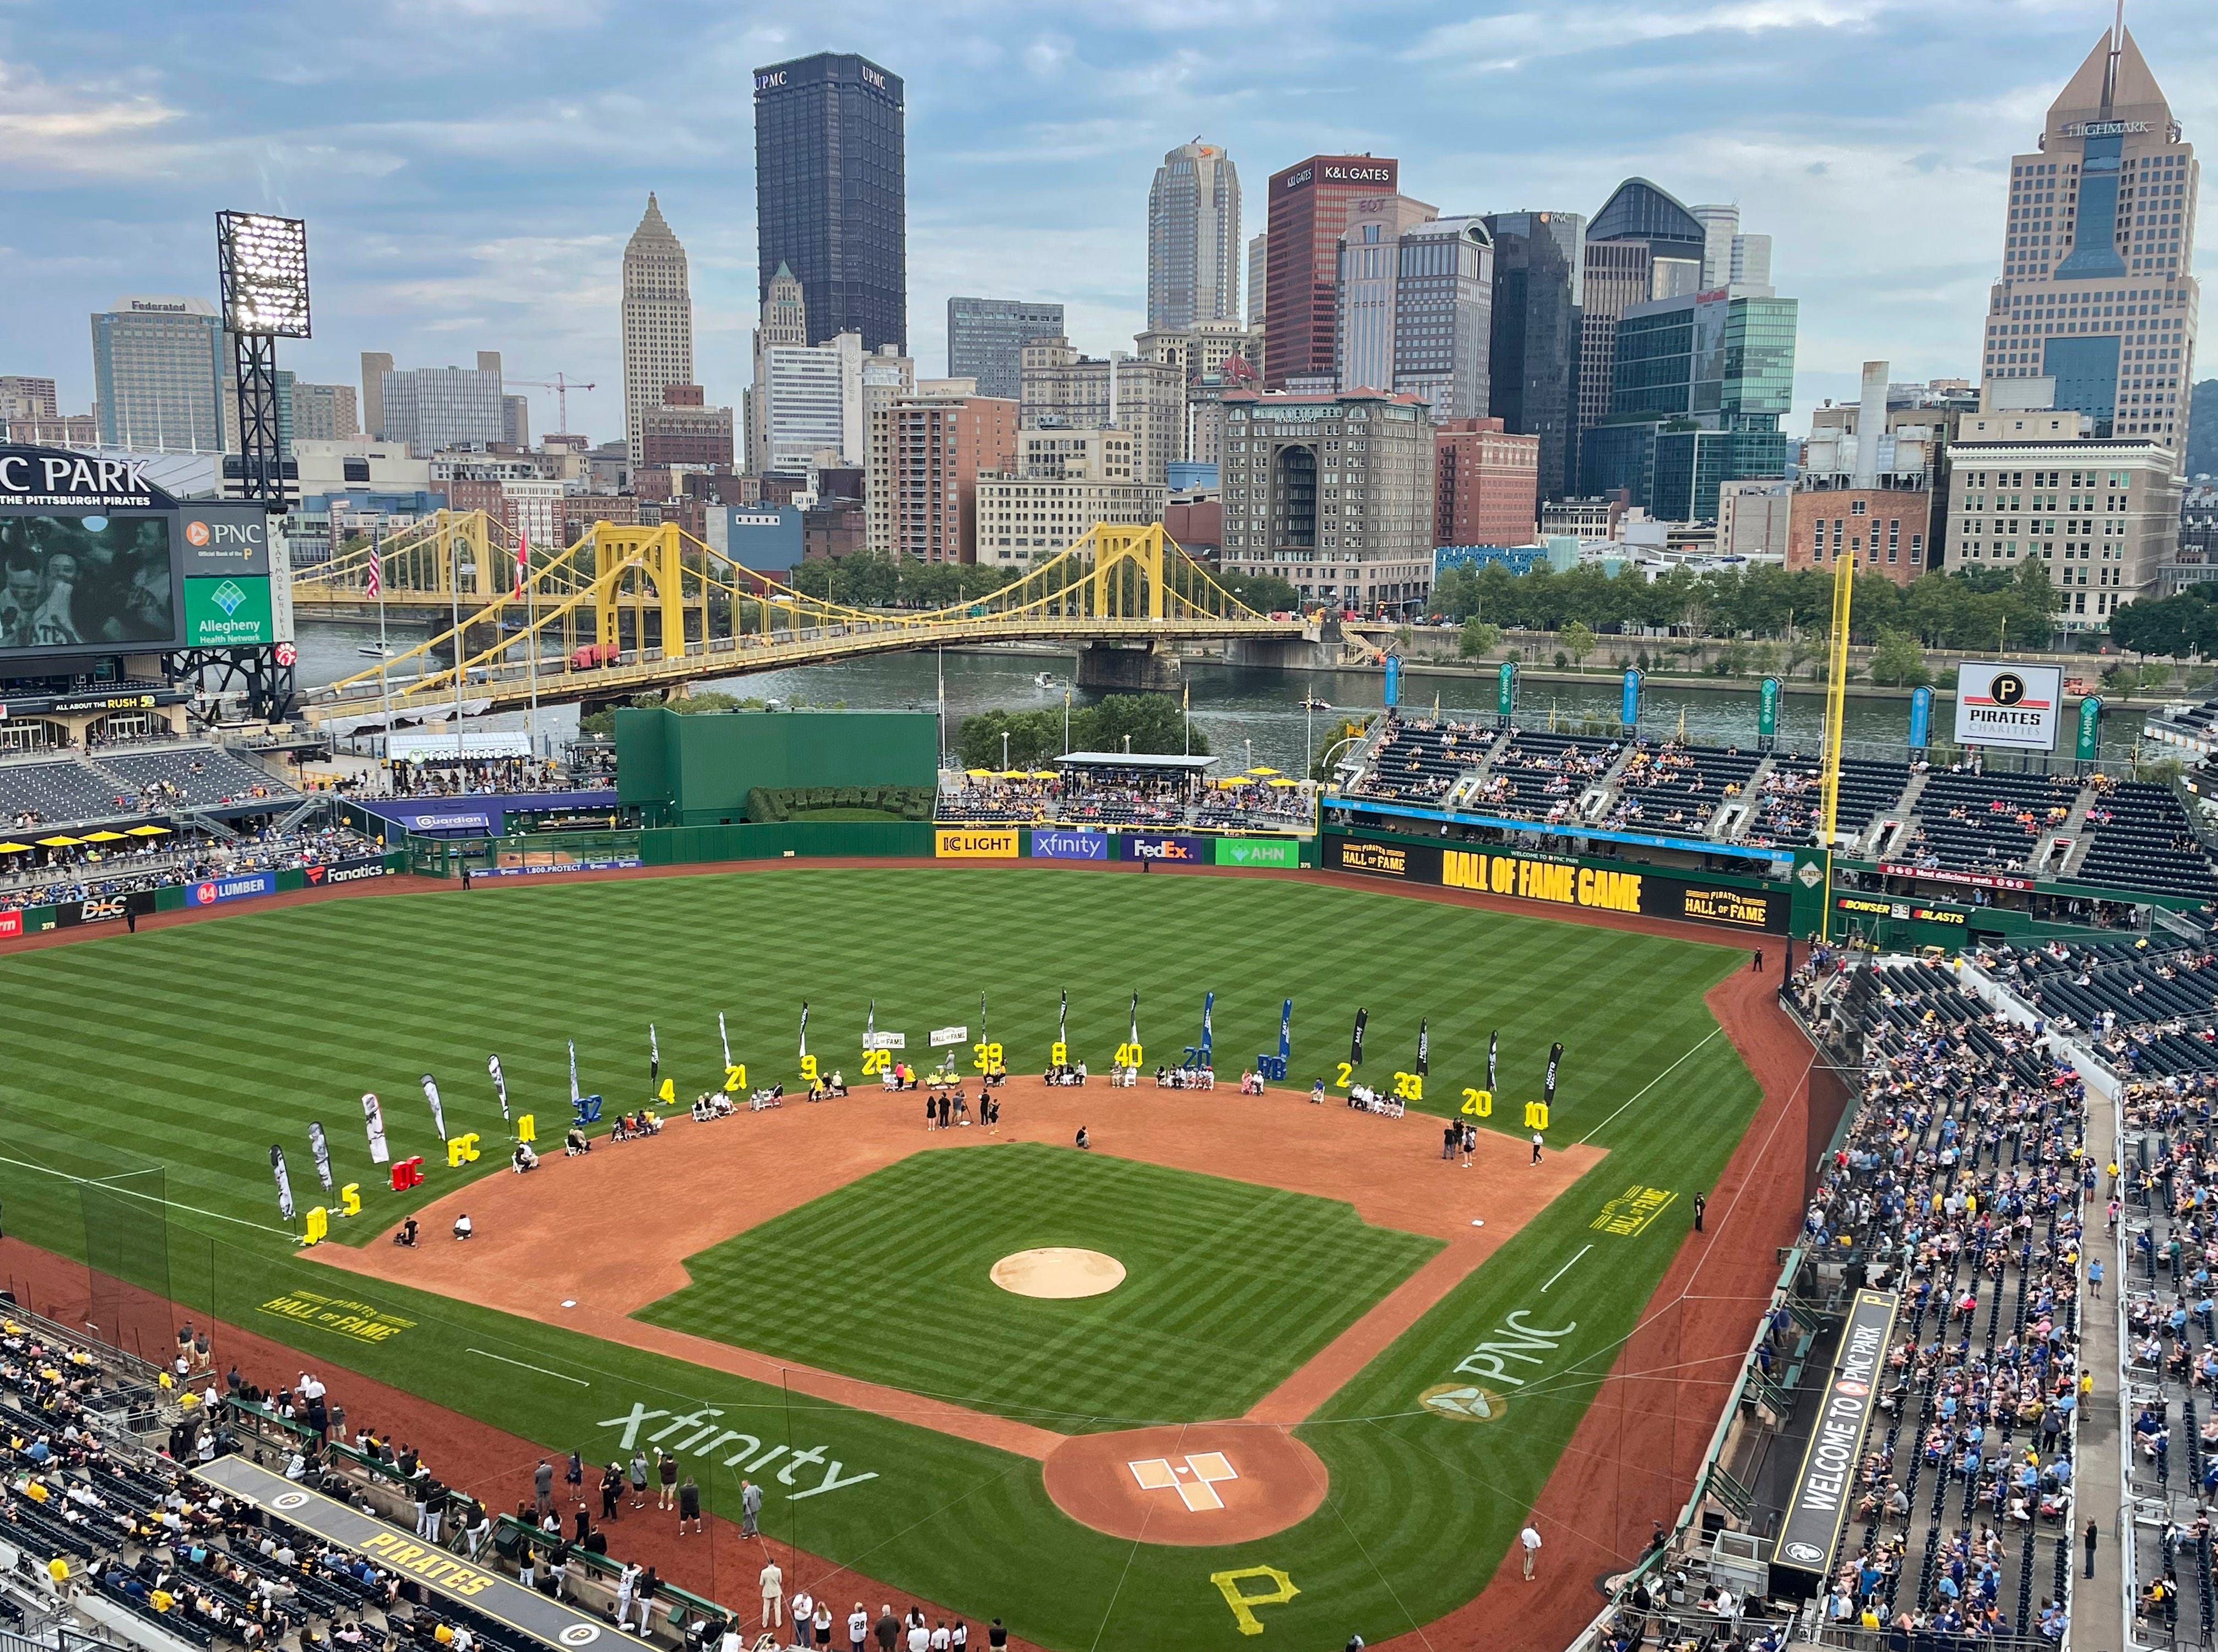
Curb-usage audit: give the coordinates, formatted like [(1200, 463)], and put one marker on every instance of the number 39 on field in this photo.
[(987, 1058)]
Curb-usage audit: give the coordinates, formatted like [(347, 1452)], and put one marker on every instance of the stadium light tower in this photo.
[(262, 269), (261, 265)]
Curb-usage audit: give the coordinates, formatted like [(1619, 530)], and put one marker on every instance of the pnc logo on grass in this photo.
[(1464, 1403)]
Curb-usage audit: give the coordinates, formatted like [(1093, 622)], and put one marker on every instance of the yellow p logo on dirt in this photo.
[(1244, 1603)]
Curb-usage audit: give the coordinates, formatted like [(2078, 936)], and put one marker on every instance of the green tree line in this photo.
[(1154, 722), (1978, 607)]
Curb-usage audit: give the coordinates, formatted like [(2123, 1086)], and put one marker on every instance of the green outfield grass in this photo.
[(1229, 1286), (196, 1047)]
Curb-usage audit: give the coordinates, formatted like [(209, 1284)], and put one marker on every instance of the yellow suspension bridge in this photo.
[(634, 610)]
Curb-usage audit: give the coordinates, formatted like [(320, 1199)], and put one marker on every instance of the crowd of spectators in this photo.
[(1143, 797), (90, 871)]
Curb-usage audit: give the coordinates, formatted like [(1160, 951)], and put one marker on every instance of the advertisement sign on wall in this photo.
[(347, 871), (959, 843), (230, 612), (244, 886), (1562, 883), (1185, 849), (1822, 1491), (1061, 843), (1283, 852), (2002, 704)]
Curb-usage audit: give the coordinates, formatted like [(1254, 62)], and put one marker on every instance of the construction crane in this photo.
[(561, 387)]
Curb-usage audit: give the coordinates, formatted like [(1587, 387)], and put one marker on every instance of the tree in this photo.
[(1897, 660), (1578, 641), (1266, 593), (1153, 723), (1480, 639)]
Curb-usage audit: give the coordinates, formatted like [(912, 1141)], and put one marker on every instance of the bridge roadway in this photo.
[(509, 687)]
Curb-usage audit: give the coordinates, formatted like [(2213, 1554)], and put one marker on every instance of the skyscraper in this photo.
[(1641, 246), (1194, 239), (158, 375), (986, 340), (658, 321), (831, 173), (1259, 265), (376, 364), (1533, 368), (2095, 290), (1311, 202), (1416, 301)]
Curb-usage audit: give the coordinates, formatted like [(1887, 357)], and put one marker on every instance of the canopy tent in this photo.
[(148, 832), (60, 842), (103, 836), (1163, 762)]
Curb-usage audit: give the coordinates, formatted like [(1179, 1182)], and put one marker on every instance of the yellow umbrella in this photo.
[(1286, 782), (148, 832), (1259, 769), (103, 836), (1045, 773), (979, 774), (59, 842), (15, 848), (1013, 774)]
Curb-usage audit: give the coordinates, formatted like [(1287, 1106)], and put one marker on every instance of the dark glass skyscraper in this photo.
[(1539, 267), (831, 174)]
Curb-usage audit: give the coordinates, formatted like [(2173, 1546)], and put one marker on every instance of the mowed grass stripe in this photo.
[(1228, 1286)]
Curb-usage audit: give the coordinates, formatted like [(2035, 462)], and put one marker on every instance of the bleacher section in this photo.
[(1679, 788), (1538, 775), (1418, 764), (2139, 839), (113, 784), (1989, 822), (2148, 1005)]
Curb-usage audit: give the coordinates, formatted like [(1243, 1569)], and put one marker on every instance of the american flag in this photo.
[(376, 569)]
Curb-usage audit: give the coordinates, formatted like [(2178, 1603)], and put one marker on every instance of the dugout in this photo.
[(720, 768)]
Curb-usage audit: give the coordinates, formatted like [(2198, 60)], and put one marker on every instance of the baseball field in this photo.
[(1398, 1348)]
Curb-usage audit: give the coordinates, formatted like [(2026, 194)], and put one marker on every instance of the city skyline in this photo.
[(430, 228)]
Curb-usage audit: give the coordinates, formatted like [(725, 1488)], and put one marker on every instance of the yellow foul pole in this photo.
[(1845, 574)]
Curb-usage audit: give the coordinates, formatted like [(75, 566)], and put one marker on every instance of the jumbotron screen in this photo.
[(86, 581)]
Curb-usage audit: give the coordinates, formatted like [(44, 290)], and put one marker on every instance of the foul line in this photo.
[(1646, 1088), (133, 1193), (1565, 1269), (542, 1370)]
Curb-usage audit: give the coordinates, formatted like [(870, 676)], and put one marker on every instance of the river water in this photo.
[(1246, 712)]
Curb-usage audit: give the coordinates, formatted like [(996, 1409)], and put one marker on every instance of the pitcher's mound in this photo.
[(1190, 1484), (1058, 1271)]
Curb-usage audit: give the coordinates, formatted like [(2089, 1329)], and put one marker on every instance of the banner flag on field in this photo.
[(1208, 1004), (373, 1118), (1286, 1029), (1424, 1049), (1062, 1019), (1493, 1047), (1555, 1060), (322, 1149), (653, 1055), (982, 1034), (438, 1113), (804, 1026), (725, 1039), (871, 1024), (1355, 1043), (499, 1083), (573, 1070), (284, 1182), (1136, 1019)]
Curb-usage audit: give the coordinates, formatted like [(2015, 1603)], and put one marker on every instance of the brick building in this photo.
[(1489, 484), (681, 430), (925, 455)]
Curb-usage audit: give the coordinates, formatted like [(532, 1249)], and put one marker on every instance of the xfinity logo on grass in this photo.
[(696, 1434)]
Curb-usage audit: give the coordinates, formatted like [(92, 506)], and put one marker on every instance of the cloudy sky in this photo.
[(470, 169)]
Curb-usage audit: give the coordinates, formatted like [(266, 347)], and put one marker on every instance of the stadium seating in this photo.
[(1988, 822), (1676, 788), (1536, 775), (59, 793), (1418, 763), (192, 777), (2139, 839)]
